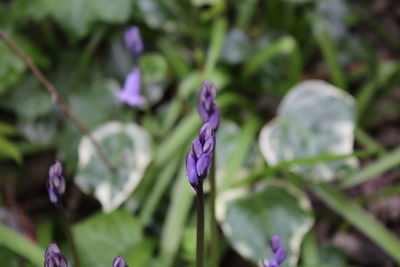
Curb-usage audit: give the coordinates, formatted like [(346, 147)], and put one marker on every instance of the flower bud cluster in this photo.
[(56, 183), (198, 161)]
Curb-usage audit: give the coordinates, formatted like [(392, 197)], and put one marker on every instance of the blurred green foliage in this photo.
[(255, 52)]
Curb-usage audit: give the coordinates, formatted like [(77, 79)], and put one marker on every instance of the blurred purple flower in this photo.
[(133, 41), (119, 262), (130, 93), (56, 183), (54, 258), (207, 108), (279, 252), (198, 160)]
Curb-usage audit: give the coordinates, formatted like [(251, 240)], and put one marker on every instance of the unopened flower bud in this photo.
[(119, 262), (56, 183), (133, 41), (54, 258)]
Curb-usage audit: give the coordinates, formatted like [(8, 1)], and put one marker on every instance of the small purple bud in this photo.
[(197, 148), (205, 132), (275, 243), (214, 118), (133, 41), (272, 263), (130, 93), (52, 248), (191, 170), (54, 258), (207, 108), (119, 262), (280, 254), (56, 183), (203, 166), (209, 145)]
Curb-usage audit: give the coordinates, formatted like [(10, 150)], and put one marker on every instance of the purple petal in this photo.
[(130, 93), (273, 263), (197, 148), (133, 41), (56, 169), (52, 248), (275, 242), (214, 119), (119, 262), (209, 145), (203, 112), (191, 170), (280, 254), (205, 132), (203, 166)]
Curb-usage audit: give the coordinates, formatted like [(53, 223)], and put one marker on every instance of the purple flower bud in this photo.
[(54, 258), (207, 108), (191, 170), (133, 41), (205, 132), (203, 166), (130, 93), (280, 254), (272, 263), (198, 160), (119, 262), (56, 183), (275, 243)]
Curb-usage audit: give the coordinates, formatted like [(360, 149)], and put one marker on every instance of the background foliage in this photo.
[(318, 166)]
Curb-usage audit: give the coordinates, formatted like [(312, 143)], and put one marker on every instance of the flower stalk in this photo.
[(200, 226)]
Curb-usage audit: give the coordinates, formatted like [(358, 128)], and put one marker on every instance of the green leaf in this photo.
[(128, 148), (28, 99), (140, 254), (249, 218), (79, 16), (217, 38), (182, 196), (314, 119), (11, 68), (329, 50), (7, 129), (154, 76), (285, 45), (20, 245), (385, 163), (102, 237), (362, 220), (9, 150), (8, 258)]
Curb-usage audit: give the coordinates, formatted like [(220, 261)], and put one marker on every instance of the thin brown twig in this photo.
[(56, 99)]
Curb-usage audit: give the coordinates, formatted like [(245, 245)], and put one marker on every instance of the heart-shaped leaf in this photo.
[(249, 219), (104, 236), (128, 147), (314, 119)]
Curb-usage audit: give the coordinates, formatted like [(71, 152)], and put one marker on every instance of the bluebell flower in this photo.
[(198, 160), (56, 183), (119, 262), (130, 93), (54, 258), (133, 41), (207, 107), (279, 252)]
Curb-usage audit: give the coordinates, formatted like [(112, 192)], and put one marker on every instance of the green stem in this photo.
[(213, 219), (200, 226), (70, 237)]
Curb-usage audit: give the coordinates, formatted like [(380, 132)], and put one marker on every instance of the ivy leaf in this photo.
[(250, 218), (314, 119), (127, 145), (102, 237)]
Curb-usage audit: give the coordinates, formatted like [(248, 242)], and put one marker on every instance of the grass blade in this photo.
[(20, 245), (363, 221)]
